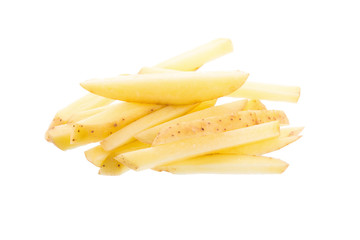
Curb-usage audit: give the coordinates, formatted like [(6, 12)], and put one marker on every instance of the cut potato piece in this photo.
[(105, 123), (147, 70), (111, 167), (60, 136), (254, 104), (149, 135), (97, 154), (196, 146), (203, 106), (85, 114), (87, 102), (126, 134), (264, 91), (195, 58), (221, 123), (179, 88), (261, 147), (226, 163)]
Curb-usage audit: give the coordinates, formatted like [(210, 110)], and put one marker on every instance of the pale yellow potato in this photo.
[(226, 164), (195, 58), (85, 114), (60, 136), (254, 104), (203, 106), (87, 102), (103, 124), (126, 134), (220, 123), (265, 91), (178, 88), (147, 70), (196, 146), (290, 131), (149, 135), (97, 155), (287, 136), (111, 167)]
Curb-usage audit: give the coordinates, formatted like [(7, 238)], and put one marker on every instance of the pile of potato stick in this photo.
[(165, 118)]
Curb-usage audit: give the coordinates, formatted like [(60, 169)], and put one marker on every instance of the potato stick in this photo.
[(220, 123), (111, 167), (194, 59), (226, 163), (178, 88), (126, 134), (60, 136), (290, 131), (204, 105), (261, 147), (196, 146), (149, 135), (105, 123), (252, 90), (87, 102), (264, 91), (97, 154), (254, 104), (87, 113)]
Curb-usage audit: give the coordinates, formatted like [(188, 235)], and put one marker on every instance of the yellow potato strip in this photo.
[(196, 146)]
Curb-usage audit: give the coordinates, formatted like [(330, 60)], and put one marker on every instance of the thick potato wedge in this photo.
[(203, 106), (264, 91), (225, 163), (149, 135), (87, 102), (196, 146), (126, 134), (194, 59), (254, 104), (221, 123), (97, 155), (105, 123), (178, 88)]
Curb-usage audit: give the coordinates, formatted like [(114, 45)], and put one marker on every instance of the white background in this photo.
[(48, 47)]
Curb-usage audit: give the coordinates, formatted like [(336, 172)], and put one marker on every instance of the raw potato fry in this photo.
[(254, 104), (287, 136), (87, 102), (97, 155), (60, 136), (196, 146), (194, 59), (267, 92), (226, 163), (149, 135), (251, 90), (179, 88), (85, 114), (126, 134), (204, 105), (103, 124), (220, 123), (111, 167)]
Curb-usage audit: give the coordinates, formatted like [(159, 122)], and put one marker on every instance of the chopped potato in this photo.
[(105, 123), (126, 134), (195, 58), (196, 146), (220, 123), (177, 88), (226, 164), (149, 135)]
